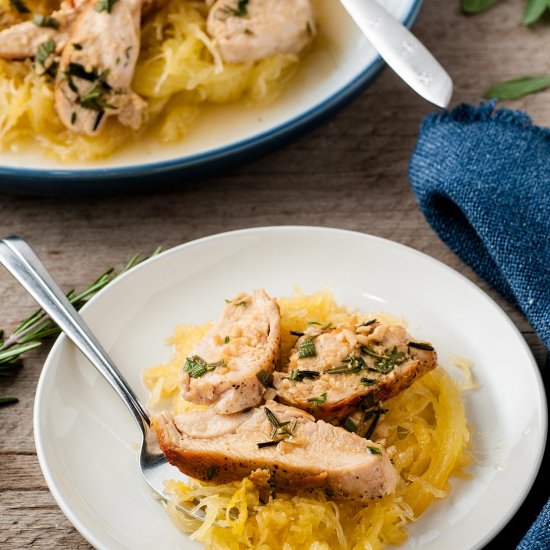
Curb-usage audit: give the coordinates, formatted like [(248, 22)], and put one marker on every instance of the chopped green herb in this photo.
[(196, 366), (376, 417), (356, 362), (105, 5), (44, 51), (45, 21), (402, 432), (20, 6), (211, 472), (368, 323), (307, 348), (421, 345), (227, 340), (77, 46), (517, 87), (368, 381), (476, 6), (248, 31), (4, 401), (127, 52), (385, 363), (366, 402), (263, 376), (319, 400), (73, 118), (374, 450), (240, 11), (534, 9), (296, 333), (344, 369), (350, 425), (268, 444), (300, 375)]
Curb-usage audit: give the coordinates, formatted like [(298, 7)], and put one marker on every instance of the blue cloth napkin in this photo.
[(482, 179)]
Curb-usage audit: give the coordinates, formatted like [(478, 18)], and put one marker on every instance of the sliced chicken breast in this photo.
[(24, 39), (248, 30), (94, 77), (334, 373), (230, 365), (294, 450)]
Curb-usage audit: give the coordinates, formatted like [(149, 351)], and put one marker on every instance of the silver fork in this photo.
[(20, 260)]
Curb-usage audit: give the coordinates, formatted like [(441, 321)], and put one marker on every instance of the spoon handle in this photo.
[(20, 260), (402, 51)]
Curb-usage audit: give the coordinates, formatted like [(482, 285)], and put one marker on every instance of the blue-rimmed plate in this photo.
[(335, 72)]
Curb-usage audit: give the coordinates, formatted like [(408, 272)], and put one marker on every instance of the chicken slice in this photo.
[(296, 451), (93, 81), (24, 39), (230, 365), (334, 373), (248, 30)]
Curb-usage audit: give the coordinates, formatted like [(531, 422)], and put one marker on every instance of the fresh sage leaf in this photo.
[(476, 6), (534, 10), (518, 87)]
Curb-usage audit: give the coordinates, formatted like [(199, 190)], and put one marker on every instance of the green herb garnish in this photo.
[(319, 400), (39, 327), (268, 444), (44, 51), (240, 11), (385, 363), (374, 450), (368, 381), (307, 348), (476, 6), (518, 87), (196, 366), (263, 376), (296, 333), (77, 46), (421, 345), (211, 472), (368, 323), (20, 6), (227, 340), (350, 425), (300, 375), (73, 118), (105, 5), (534, 10), (45, 21)]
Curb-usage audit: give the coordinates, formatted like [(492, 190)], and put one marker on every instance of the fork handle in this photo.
[(20, 260)]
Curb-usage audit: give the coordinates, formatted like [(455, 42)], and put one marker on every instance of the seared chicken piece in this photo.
[(296, 451), (23, 40), (332, 374), (94, 77), (230, 365), (250, 30)]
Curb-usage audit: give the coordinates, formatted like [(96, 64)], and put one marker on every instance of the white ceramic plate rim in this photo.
[(62, 340)]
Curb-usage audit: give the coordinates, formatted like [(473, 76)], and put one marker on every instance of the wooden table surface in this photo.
[(350, 173)]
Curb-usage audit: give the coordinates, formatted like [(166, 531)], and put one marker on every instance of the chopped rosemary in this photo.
[(263, 376), (385, 363), (20, 6), (45, 21), (350, 425), (196, 366), (376, 417), (73, 118), (226, 340), (296, 333), (319, 400), (344, 369), (280, 429), (77, 46), (374, 450), (366, 402), (240, 11), (105, 5), (356, 362), (4, 401), (268, 444), (307, 348), (211, 472), (300, 375), (368, 381), (421, 345), (44, 51), (368, 323)]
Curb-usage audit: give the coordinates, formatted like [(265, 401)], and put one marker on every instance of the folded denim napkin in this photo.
[(482, 179)]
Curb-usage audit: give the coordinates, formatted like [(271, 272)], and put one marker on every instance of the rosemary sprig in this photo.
[(38, 327)]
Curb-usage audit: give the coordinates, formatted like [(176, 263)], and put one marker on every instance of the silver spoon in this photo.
[(20, 260), (402, 51)]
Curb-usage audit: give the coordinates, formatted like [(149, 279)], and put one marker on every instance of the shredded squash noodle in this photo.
[(425, 430), (178, 71)]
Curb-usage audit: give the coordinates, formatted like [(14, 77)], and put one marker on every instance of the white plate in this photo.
[(342, 65), (85, 436)]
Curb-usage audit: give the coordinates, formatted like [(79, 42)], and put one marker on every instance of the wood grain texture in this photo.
[(350, 173)]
